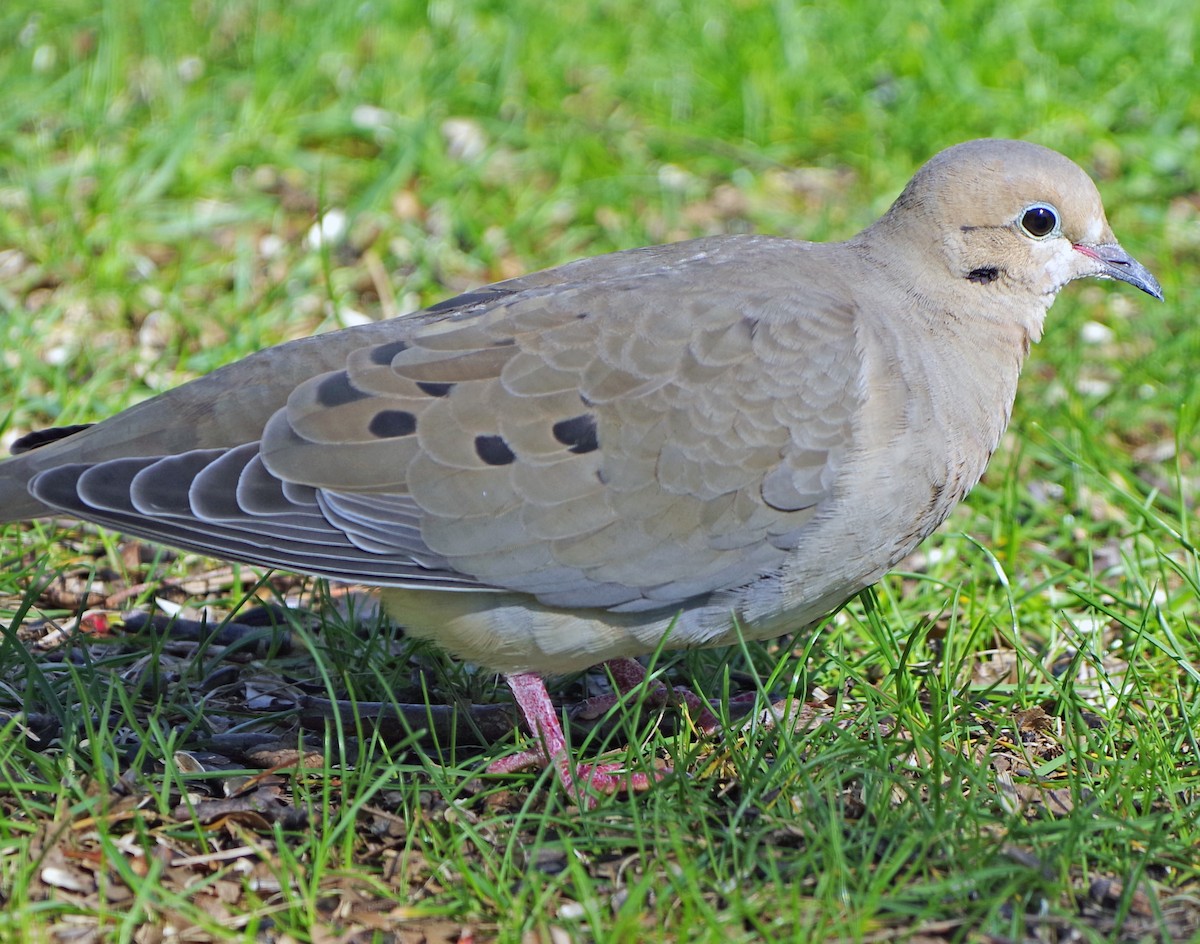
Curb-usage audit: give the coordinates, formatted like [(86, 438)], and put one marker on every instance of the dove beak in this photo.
[(1116, 263)]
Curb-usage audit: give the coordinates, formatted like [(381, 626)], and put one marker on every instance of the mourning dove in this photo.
[(666, 446)]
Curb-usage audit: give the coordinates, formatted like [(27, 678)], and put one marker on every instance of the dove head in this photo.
[(1010, 220)]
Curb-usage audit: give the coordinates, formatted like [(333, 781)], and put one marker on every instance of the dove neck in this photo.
[(920, 266)]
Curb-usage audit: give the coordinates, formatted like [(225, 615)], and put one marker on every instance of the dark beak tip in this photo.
[(1147, 283), (1119, 264)]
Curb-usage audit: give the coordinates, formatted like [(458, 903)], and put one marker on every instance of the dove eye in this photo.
[(1040, 220)]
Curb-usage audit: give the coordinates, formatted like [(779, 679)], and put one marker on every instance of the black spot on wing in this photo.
[(383, 354), (43, 437), (494, 450), (389, 424), (468, 300), (435, 389), (336, 390), (578, 433)]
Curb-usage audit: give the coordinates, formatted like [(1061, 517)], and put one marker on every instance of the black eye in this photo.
[(1039, 220)]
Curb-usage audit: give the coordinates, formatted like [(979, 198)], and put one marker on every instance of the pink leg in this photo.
[(629, 674), (542, 719)]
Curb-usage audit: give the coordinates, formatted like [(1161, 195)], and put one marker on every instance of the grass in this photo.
[(997, 744)]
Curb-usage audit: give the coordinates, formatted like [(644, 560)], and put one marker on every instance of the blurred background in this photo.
[(183, 182)]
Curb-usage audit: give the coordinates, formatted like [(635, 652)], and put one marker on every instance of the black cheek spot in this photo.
[(389, 424), (983, 276), (494, 450), (434, 389), (336, 390), (382, 354), (578, 433)]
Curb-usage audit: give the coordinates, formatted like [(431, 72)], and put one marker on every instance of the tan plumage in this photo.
[(553, 471)]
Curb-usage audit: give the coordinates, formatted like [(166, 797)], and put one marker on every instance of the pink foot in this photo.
[(540, 715), (629, 674)]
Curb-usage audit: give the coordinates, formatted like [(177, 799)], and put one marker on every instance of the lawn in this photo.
[(997, 743)]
